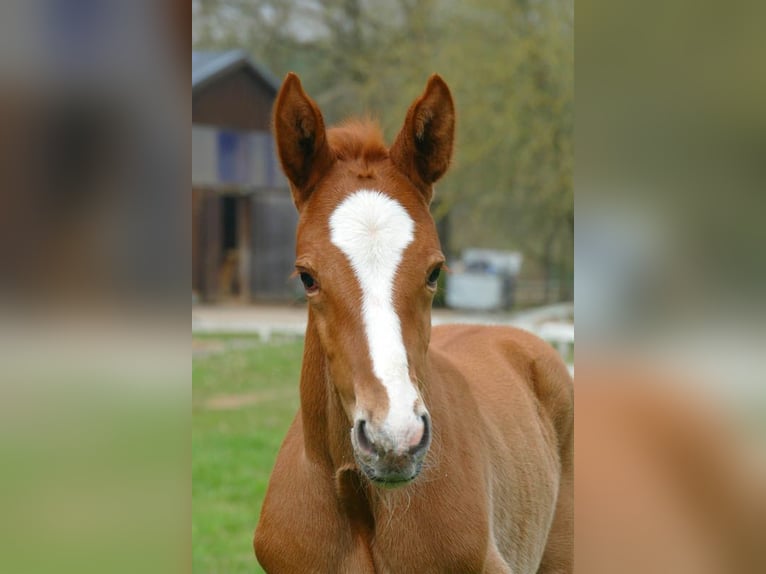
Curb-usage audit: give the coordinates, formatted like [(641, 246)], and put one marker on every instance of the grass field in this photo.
[(245, 394)]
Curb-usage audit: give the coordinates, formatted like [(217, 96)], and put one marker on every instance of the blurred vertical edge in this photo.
[(94, 270), (670, 274), (94, 153)]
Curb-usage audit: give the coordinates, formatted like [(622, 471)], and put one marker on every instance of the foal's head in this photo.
[(369, 258)]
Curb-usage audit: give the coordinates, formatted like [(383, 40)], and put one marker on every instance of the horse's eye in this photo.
[(434, 277), (308, 282)]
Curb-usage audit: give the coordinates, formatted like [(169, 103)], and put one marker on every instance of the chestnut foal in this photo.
[(414, 450)]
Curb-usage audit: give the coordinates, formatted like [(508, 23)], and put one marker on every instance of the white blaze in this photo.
[(373, 230)]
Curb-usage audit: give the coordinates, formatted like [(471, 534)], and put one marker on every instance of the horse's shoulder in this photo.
[(523, 394), (284, 531), (528, 359)]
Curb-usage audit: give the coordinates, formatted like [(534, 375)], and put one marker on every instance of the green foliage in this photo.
[(245, 394), (510, 65)]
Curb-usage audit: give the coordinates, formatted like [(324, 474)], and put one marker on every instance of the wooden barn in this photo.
[(243, 220)]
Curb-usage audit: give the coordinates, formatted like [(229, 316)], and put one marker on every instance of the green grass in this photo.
[(245, 394)]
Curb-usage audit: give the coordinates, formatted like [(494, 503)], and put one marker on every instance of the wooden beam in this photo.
[(244, 233)]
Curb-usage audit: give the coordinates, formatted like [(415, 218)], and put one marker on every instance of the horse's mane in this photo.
[(360, 139)]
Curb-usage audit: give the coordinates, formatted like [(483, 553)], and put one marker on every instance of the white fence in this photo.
[(561, 336)]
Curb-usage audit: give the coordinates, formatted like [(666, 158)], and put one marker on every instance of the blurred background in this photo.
[(670, 383), (94, 269)]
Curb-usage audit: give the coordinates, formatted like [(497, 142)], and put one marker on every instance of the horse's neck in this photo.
[(325, 424)]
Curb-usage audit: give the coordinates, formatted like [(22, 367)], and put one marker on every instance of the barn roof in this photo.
[(208, 66)]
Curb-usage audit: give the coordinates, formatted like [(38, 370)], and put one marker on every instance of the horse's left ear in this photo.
[(423, 149)]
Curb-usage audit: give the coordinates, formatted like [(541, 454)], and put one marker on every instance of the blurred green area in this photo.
[(94, 474), (245, 394), (510, 66)]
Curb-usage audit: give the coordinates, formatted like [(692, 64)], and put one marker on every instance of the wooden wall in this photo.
[(273, 244), (265, 218), (239, 100), (206, 243)]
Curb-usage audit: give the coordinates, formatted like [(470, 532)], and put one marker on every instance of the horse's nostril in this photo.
[(362, 439), (425, 439)]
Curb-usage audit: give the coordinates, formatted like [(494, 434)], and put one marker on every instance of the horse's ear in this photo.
[(423, 149), (301, 140)]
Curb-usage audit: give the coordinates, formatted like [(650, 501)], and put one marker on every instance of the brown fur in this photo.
[(358, 139), (495, 494), (664, 483)]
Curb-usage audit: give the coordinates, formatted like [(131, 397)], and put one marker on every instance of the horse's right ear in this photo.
[(301, 140)]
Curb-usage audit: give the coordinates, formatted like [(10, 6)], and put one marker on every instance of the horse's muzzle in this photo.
[(387, 462)]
